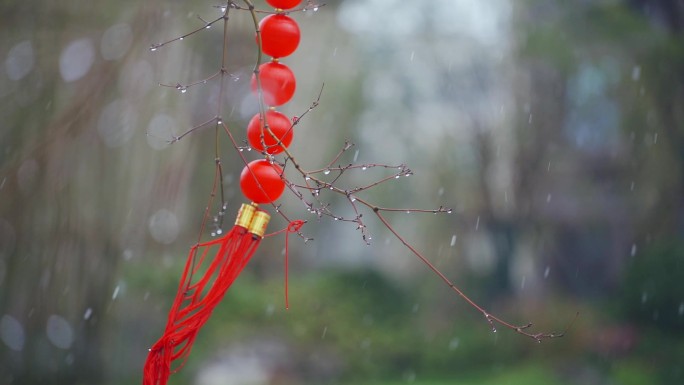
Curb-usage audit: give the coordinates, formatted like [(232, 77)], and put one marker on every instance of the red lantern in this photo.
[(279, 35), (260, 181), (277, 83), (279, 125), (284, 4)]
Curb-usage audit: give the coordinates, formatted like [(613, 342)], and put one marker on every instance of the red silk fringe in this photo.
[(195, 301)]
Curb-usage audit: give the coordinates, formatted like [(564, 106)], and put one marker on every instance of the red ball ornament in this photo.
[(260, 181), (279, 125), (279, 35), (277, 83), (284, 4)]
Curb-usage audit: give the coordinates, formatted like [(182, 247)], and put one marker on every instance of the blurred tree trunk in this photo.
[(607, 199), (60, 185), (664, 67)]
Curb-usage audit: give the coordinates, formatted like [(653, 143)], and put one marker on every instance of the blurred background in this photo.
[(555, 131)]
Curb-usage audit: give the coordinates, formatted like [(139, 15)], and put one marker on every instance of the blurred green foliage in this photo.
[(592, 148)]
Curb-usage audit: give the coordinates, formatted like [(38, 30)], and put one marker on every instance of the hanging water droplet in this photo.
[(315, 9), (326, 171), (352, 198), (213, 234), (449, 211), (181, 38), (223, 9), (208, 26), (184, 90), (219, 121), (397, 176), (364, 168), (219, 231)]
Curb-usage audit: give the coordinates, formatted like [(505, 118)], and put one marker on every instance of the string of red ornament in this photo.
[(278, 36), (261, 181)]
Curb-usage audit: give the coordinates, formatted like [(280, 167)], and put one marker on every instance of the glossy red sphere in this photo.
[(284, 4), (279, 125), (279, 35), (277, 83), (260, 181)]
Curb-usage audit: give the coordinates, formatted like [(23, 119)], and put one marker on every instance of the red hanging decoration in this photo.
[(196, 299), (277, 83), (279, 35), (213, 266), (261, 181), (278, 124), (284, 4)]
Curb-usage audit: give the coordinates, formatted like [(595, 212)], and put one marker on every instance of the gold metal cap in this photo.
[(259, 223), (245, 215)]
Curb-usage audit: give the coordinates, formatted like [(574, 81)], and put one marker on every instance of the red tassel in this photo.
[(195, 301)]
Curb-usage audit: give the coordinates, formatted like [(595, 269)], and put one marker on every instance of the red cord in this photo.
[(292, 227)]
